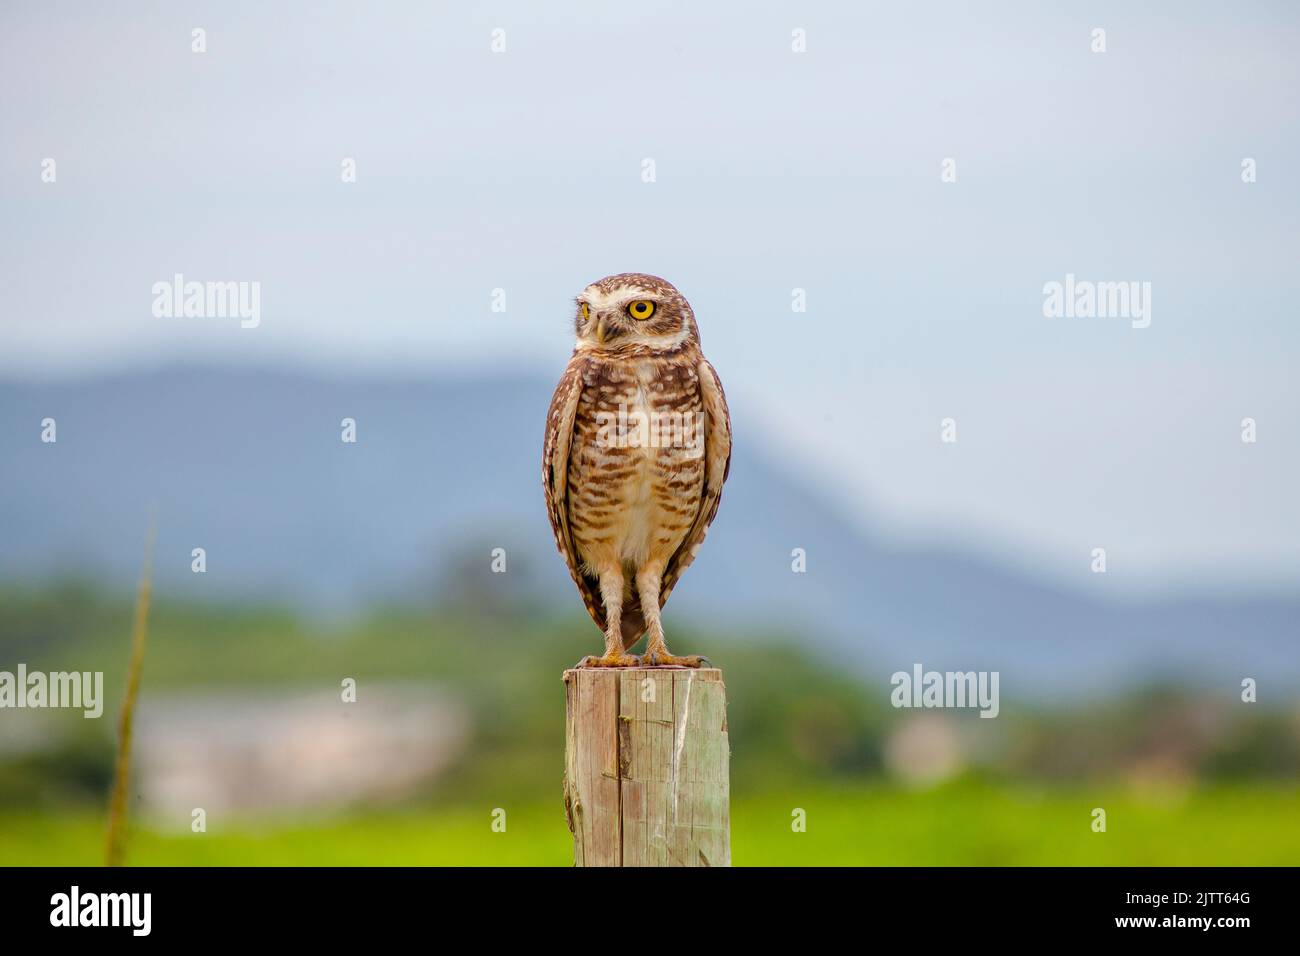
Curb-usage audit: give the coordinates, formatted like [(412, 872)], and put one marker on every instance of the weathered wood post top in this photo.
[(646, 766)]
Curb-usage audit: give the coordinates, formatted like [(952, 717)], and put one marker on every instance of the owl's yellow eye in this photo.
[(641, 309), (582, 310)]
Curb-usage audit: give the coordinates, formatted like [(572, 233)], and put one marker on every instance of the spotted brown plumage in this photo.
[(638, 445)]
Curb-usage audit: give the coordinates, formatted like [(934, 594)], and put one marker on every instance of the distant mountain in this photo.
[(249, 465)]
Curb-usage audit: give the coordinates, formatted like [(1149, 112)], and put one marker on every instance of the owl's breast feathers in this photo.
[(636, 453)]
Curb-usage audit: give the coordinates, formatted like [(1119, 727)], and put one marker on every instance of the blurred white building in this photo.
[(264, 752)]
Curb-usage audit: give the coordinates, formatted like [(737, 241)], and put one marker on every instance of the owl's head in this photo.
[(632, 312)]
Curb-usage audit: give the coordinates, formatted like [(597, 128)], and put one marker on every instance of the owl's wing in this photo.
[(555, 479), (717, 465)]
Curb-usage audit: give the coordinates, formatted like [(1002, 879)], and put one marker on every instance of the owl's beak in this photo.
[(600, 329)]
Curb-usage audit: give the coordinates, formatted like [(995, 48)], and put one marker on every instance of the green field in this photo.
[(961, 824)]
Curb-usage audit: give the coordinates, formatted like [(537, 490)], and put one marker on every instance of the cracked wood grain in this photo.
[(646, 779)]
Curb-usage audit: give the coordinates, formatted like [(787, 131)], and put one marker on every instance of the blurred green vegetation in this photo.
[(796, 719), (959, 824), (1184, 778)]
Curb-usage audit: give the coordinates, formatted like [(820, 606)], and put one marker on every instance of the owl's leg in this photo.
[(611, 595), (656, 652)]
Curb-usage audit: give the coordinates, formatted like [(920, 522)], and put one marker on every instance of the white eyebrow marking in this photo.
[(620, 296)]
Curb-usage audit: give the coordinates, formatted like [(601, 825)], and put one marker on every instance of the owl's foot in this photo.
[(610, 660), (664, 659)]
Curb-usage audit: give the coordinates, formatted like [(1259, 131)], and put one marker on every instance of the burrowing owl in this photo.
[(638, 444)]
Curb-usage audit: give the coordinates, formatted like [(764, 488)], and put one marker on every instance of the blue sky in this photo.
[(775, 170)]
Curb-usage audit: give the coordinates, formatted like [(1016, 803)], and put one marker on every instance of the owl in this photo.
[(638, 445)]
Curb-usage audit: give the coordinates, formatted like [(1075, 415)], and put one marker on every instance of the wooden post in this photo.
[(645, 766)]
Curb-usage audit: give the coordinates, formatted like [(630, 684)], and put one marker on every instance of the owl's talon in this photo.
[(615, 660), (665, 659)]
